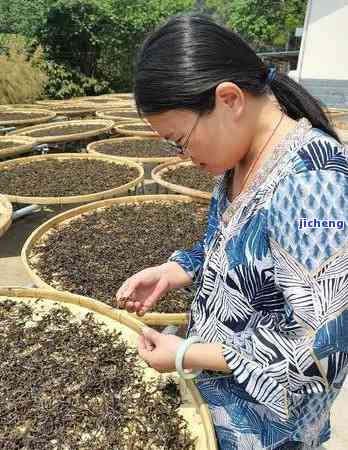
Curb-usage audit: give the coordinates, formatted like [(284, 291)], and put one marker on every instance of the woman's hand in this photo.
[(142, 291), (158, 350)]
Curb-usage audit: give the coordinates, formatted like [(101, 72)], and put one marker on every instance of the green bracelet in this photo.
[(180, 356)]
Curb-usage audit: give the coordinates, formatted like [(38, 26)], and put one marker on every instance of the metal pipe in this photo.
[(4, 130), (25, 211), (43, 148)]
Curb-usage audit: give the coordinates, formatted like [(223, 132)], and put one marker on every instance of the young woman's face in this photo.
[(218, 140)]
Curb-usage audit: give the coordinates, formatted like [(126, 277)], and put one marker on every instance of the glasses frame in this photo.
[(181, 148)]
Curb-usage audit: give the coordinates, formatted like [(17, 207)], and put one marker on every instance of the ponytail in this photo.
[(297, 102)]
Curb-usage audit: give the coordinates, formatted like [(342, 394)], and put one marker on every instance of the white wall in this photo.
[(324, 48)]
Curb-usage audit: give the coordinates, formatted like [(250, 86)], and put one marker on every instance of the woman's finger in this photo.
[(130, 306), (160, 289)]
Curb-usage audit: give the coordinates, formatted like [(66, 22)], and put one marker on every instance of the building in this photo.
[(323, 61)]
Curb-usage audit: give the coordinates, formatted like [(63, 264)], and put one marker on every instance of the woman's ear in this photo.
[(228, 94)]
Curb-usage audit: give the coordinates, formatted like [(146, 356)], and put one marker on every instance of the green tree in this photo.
[(133, 22), (75, 33), (267, 23), (22, 16)]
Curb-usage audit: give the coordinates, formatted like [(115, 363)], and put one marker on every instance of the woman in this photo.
[(271, 272)]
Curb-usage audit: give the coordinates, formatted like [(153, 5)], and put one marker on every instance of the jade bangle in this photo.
[(180, 357)]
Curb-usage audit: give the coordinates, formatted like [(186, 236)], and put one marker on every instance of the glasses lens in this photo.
[(172, 146)]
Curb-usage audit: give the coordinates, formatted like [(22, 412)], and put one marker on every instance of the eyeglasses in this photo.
[(180, 149)]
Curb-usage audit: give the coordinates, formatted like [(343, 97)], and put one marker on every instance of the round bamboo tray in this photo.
[(119, 115), (72, 109), (93, 148), (105, 125), (45, 116), (111, 105), (152, 318), (158, 172), (104, 101), (57, 103), (127, 129), (343, 134), (336, 112), (121, 95), (193, 408), (5, 214), (21, 106), (17, 145), (147, 162), (75, 198), (342, 122)]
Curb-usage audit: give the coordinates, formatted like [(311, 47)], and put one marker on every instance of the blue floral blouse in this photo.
[(271, 285)]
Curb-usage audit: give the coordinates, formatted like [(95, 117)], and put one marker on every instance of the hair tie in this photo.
[(271, 74)]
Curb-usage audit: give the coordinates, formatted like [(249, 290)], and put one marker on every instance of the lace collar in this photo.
[(286, 146)]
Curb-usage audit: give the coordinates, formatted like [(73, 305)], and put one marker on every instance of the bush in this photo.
[(65, 83), (21, 78)]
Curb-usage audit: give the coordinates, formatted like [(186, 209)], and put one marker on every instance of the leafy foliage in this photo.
[(64, 83), (267, 23)]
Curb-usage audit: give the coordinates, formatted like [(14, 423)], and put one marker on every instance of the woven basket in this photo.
[(45, 116), (76, 198), (21, 106), (105, 102), (127, 129), (336, 112), (122, 95), (72, 109), (342, 122), (343, 134), (93, 148), (158, 172), (147, 162), (5, 214), (17, 145), (119, 115), (193, 409), (105, 125), (152, 318)]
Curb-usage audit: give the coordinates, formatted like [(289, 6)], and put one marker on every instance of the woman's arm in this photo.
[(191, 261), (205, 356)]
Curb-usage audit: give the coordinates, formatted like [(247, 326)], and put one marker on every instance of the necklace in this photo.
[(258, 156)]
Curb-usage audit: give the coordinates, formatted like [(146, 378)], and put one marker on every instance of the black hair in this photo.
[(181, 63)]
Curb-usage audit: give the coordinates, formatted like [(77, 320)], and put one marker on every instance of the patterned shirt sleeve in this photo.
[(308, 236), (192, 260)]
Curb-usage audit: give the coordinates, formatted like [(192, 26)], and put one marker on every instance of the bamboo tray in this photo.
[(21, 144), (193, 409), (121, 95), (119, 115), (158, 172), (45, 116), (21, 106), (93, 149), (75, 198), (342, 122), (343, 134), (105, 126), (152, 318), (5, 214), (127, 129), (72, 109)]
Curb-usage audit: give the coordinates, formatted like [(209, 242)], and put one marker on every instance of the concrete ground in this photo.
[(12, 273)]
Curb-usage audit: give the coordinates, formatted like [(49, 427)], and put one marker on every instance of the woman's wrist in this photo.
[(206, 356), (177, 276)]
